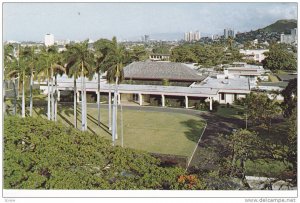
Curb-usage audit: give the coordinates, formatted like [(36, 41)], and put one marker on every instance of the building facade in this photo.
[(49, 40), (192, 36), (254, 54), (291, 38), (228, 32)]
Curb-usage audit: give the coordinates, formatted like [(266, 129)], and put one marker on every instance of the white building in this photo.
[(244, 70), (192, 36), (228, 89), (228, 32), (159, 57), (254, 54), (289, 39), (49, 40)]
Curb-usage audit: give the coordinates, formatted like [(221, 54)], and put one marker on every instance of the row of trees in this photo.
[(205, 55), (78, 61)]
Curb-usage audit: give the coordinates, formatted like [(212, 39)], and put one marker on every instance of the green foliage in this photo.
[(165, 82), (278, 58), (292, 140), (290, 98), (261, 109), (161, 49), (205, 55), (39, 154), (138, 53)]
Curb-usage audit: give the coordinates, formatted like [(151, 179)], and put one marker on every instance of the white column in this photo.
[(186, 102), (78, 99), (119, 98), (140, 99), (58, 95), (163, 100), (210, 103)]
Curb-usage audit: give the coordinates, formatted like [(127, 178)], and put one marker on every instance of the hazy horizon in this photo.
[(78, 21)]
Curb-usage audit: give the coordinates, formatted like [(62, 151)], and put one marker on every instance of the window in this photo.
[(222, 96)]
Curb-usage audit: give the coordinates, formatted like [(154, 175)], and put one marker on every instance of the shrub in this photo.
[(39, 154)]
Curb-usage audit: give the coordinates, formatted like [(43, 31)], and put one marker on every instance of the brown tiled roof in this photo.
[(161, 70)]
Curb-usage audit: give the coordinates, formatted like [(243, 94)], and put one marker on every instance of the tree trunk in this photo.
[(19, 88), (75, 103), (116, 117), (233, 161), (122, 132), (82, 100), (4, 106), (23, 96), (15, 97), (52, 96), (109, 108), (55, 100), (31, 100), (85, 105), (114, 127), (49, 105), (244, 180), (98, 98)]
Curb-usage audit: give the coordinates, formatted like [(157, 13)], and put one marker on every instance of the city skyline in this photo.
[(78, 21)]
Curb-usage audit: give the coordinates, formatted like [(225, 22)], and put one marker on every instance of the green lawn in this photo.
[(273, 78), (158, 132), (234, 111)]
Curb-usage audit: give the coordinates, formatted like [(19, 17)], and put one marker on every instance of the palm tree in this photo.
[(29, 52), (9, 65), (57, 69), (115, 74), (80, 60), (22, 68), (103, 48), (45, 72)]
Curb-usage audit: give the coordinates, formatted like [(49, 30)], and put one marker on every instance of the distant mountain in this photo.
[(281, 26), (269, 33)]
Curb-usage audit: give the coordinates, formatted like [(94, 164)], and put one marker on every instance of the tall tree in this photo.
[(47, 59), (243, 145), (115, 74), (80, 60), (9, 70), (279, 58), (32, 61), (290, 98), (261, 109), (103, 49)]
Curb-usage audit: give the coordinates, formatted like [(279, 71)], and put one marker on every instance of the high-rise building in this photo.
[(49, 40), (146, 37), (228, 32), (289, 39), (192, 36)]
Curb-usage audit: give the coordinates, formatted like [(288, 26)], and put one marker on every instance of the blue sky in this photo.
[(78, 21)]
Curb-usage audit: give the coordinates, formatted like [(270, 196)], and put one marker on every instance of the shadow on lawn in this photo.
[(195, 129)]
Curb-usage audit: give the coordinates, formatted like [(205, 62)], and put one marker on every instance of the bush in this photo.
[(39, 154)]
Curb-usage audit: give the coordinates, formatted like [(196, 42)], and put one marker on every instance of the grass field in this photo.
[(273, 78), (158, 132), (234, 111)]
